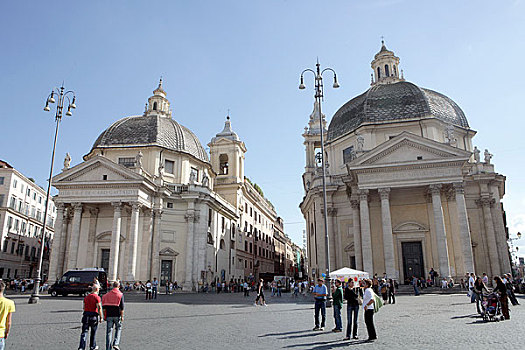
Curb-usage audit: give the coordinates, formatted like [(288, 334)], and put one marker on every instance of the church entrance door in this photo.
[(412, 260), (165, 271), (104, 259)]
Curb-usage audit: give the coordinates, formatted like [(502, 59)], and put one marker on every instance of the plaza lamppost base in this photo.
[(34, 299)]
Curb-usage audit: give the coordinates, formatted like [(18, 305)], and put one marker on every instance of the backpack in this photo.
[(378, 302)]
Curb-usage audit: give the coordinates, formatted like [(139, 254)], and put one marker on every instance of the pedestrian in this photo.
[(149, 290), (479, 287), (391, 292), (485, 278), (246, 288), (91, 317), (155, 287), (113, 306), (320, 292), (510, 290), (414, 284), (351, 295), (501, 289), (432, 274), (260, 294), (383, 287), (368, 307), (337, 296), (471, 281), (375, 284), (7, 307), (167, 287)]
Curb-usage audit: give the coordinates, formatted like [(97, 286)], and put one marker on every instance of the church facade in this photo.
[(406, 189), (148, 202)]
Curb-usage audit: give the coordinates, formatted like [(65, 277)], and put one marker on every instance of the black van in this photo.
[(78, 282)]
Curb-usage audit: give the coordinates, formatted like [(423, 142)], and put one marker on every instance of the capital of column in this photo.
[(363, 195), (354, 203), (332, 211), (435, 189), (459, 187), (156, 213), (117, 206), (485, 202), (135, 206), (190, 216), (384, 192), (60, 206), (94, 211), (77, 207)]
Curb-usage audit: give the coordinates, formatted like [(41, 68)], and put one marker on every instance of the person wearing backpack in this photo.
[(368, 307)]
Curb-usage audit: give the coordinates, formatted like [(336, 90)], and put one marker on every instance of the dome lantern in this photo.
[(158, 103), (385, 66)]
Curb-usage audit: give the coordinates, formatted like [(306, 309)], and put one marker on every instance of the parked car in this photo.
[(79, 282)]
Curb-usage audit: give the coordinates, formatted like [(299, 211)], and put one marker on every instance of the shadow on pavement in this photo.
[(284, 333), (329, 344), (465, 316)]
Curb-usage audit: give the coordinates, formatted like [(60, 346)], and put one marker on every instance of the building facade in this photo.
[(148, 201), (406, 189), (22, 206)]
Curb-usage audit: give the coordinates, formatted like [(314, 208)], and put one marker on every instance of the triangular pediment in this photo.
[(168, 251), (96, 169), (409, 148)]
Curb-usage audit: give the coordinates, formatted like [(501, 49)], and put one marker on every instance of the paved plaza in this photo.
[(227, 321)]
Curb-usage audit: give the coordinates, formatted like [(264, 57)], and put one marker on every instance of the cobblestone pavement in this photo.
[(225, 321)]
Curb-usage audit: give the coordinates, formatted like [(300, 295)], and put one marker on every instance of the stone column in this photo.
[(366, 238), (501, 234), (441, 234), (72, 250), (464, 229), (64, 243), (155, 245), (336, 261), (357, 234), (57, 241), (115, 242), (92, 231), (133, 241), (388, 239), (486, 203), (190, 218)]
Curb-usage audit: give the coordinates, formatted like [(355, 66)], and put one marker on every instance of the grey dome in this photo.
[(398, 101), (152, 130)]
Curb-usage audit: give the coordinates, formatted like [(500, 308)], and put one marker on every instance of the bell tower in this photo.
[(386, 67), (312, 142), (227, 155)]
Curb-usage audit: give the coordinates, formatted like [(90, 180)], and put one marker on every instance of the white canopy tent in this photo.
[(347, 273)]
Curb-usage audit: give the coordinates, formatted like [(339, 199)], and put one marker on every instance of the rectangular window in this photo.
[(12, 247), (210, 214), (17, 223), (251, 212), (12, 203), (39, 199), (246, 207), (128, 162), (194, 174), (245, 264), (4, 248), (1, 180), (250, 247), (169, 205), (245, 245), (169, 166), (223, 224), (348, 154), (9, 222), (28, 193), (2, 200), (23, 227), (34, 196), (15, 182)]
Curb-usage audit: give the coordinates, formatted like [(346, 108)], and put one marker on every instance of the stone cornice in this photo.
[(393, 167)]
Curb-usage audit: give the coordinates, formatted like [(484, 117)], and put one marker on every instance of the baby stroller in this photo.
[(491, 307)]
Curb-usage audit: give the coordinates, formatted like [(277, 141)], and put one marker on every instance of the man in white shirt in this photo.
[(471, 282), (485, 279), (368, 307)]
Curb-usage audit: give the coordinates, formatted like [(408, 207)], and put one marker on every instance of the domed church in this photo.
[(406, 189), (147, 202)]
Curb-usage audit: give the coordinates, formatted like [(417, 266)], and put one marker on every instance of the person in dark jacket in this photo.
[(479, 288), (391, 292), (501, 289), (338, 305), (351, 295)]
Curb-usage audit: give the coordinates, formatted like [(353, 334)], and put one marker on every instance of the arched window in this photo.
[(154, 106), (223, 167), (378, 73), (222, 244), (395, 70), (210, 238), (387, 72)]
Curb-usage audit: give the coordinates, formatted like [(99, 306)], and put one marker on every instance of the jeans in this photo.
[(349, 311), (2, 343), (416, 290), (155, 292), (113, 321), (89, 321), (391, 297), (320, 305), (369, 321), (337, 316), (472, 295)]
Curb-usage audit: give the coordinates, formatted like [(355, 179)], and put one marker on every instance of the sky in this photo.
[(246, 57)]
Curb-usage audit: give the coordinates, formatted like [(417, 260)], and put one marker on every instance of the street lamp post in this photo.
[(511, 240), (61, 98), (319, 90)]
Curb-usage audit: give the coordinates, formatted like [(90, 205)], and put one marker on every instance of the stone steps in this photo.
[(407, 290)]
